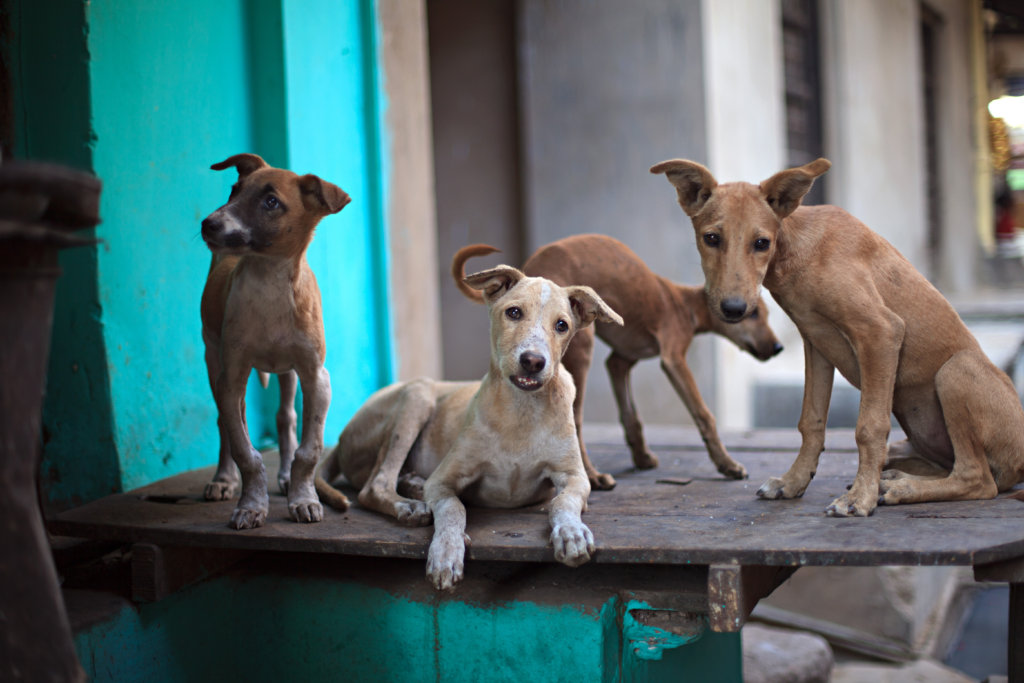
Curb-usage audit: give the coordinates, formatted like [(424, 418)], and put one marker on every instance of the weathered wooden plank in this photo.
[(708, 521)]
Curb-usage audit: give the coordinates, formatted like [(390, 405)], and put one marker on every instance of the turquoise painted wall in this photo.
[(341, 629), (159, 91)]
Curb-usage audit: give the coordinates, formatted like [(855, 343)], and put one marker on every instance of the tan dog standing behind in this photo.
[(660, 320), (261, 309), (863, 309), (506, 441)]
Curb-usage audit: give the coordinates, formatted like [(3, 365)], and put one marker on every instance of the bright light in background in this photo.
[(1010, 109)]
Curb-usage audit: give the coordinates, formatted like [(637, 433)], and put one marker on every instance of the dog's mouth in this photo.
[(525, 383)]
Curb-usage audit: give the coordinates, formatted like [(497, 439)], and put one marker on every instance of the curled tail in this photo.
[(325, 472), (459, 268)]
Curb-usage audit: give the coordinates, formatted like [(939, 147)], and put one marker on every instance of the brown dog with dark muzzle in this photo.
[(863, 309), (261, 309)]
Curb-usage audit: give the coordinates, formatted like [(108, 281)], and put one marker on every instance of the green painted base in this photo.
[(312, 618)]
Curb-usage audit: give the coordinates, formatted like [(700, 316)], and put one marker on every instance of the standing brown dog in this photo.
[(261, 309), (862, 308), (661, 318)]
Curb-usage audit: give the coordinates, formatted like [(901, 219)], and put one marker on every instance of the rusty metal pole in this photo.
[(39, 205)]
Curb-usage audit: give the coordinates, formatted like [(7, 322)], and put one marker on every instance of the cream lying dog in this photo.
[(506, 441)]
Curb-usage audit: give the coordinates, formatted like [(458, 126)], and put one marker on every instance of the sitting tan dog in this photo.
[(863, 309), (661, 320), (506, 441), (261, 309)]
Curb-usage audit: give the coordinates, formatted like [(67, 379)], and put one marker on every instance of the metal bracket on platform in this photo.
[(734, 591), (158, 571)]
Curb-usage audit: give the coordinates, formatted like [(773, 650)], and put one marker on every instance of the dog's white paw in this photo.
[(777, 487), (574, 543), (306, 510), (772, 489), (413, 513), (848, 505), (445, 560), (247, 518), (220, 490)]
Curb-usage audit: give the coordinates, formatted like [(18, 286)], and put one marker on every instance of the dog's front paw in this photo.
[(306, 510), (645, 460), (220, 490), (413, 513), (445, 561), (247, 518), (850, 505), (776, 487), (283, 482), (574, 543)]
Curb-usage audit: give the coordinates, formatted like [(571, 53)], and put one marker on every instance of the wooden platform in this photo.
[(652, 516)]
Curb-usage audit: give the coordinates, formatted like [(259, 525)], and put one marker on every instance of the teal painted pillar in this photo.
[(147, 96), (48, 53), (330, 57)]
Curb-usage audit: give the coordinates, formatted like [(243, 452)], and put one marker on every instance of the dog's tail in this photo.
[(327, 471), (459, 268)]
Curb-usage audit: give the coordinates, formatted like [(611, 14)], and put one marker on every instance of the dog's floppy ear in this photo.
[(245, 163), (784, 190), (320, 195), (692, 181), (494, 282), (587, 306)]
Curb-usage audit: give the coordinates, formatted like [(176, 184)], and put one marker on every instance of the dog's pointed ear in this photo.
[(587, 306), (245, 163), (784, 190), (693, 183), (320, 195), (494, 282)]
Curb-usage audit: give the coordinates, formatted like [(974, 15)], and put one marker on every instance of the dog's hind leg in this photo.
[(303, 503), (411, 412), (286, 435), (673, 362), (577, 360), (619, 368), (964, 402)]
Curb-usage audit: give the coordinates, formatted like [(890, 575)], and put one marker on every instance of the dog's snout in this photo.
[(777, 349), (531, 362), (733, 308)]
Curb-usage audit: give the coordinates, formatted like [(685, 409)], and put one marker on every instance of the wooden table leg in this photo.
[(1012, 572), (1015, 639)]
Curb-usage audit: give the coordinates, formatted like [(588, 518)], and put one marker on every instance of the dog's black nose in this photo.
[(777, 349), (210, 226), (733, 309), (531, 362)]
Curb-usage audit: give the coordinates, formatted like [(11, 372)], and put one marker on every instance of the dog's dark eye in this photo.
[(712, 239), (762, 244), (561, 327), (270, 202), (513, 313)]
